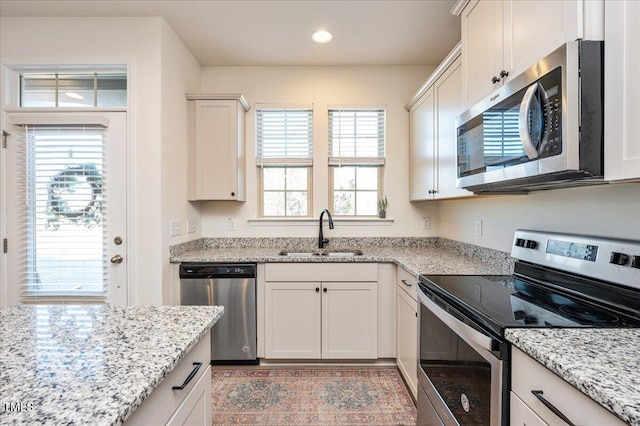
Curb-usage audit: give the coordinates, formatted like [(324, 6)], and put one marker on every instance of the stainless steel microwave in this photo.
[(543, 129)]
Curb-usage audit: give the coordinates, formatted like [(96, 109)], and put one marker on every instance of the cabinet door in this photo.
[(621, 90), (534, 28), (422, 140), (407, 341), (215, 148), (448, 100), (481, 48), (292, 320), (196, 407), (349, 320)]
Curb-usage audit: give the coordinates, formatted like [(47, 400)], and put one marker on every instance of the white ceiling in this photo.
[(268, 32)]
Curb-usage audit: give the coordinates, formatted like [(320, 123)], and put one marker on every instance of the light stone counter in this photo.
[(416, 255), (602, 363), (90, 364)]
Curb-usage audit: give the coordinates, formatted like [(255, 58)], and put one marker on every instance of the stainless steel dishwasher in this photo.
[(233, 337)]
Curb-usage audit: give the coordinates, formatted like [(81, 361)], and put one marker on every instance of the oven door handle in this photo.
[(460, 328)]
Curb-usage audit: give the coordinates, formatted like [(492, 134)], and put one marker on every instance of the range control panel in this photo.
[(612, 260)]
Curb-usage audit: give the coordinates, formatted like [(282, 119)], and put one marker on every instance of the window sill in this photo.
[(310, 221)]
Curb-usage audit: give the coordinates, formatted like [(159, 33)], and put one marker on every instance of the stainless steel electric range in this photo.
[(559, 280)]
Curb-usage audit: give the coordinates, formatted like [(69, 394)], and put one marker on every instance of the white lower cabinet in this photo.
[(407, 329), (528, 377), (196, 407), (188, 406), (330, 318)]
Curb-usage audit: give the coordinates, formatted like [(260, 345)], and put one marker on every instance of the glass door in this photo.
[(67, 210)]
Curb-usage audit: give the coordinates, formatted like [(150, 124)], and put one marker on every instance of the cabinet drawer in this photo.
[(321, 272), (160, 406), (529, 375), (408, 283), (521, 415)]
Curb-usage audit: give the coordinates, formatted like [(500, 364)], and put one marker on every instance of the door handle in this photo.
[(538, 394), (523, 122), (117, 259)]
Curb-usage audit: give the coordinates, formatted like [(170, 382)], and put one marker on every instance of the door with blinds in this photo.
[(66, 218)]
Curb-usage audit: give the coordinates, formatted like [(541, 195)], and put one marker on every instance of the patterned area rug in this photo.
[(311, 396)]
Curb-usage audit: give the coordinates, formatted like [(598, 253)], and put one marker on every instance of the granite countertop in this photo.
[(602, 363), (416, 260), (90, 364)]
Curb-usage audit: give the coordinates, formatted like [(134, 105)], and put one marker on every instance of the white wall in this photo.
[(606, 210), (180, 74), (138, 39), (390, 86)]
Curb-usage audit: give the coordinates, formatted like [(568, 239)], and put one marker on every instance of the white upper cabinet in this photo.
[(422, 142), (216, 146), (432, 114), (502, 38), (622, 90)]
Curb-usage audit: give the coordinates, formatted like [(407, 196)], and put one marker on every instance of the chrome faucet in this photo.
[(321, 240)]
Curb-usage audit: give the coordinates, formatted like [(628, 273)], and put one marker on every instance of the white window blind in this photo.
[(356, 136), (64, 214), (284, 137)]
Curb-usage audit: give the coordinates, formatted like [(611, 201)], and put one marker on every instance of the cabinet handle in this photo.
[(317, 289), (406, 283), (550, 406), (495, 79), (324, 289), (191, 376), (504, 73)]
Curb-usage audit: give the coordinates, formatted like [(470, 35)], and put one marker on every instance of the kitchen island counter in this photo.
[(601, 363), (91, 364)]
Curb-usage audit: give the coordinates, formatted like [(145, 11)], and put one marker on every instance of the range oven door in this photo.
[(461, 380)]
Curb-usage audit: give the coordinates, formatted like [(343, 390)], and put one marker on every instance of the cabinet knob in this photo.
[(317, 289), (233, 194), (495, 79), (504, 73), (324, 289)]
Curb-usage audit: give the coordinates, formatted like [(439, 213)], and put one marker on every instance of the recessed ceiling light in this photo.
[(74, 95), (322, 36)]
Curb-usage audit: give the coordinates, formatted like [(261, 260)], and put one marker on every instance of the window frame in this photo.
[(380, 192), (377, 162), (285, 162)]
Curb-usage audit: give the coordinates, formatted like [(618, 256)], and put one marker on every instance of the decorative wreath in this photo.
[(66, 182)]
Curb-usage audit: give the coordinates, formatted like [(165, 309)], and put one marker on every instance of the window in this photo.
[(93, 89), (356, 160), (64, 211), (284, 156)]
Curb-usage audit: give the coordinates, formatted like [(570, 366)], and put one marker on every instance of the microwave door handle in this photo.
[(523, 122)]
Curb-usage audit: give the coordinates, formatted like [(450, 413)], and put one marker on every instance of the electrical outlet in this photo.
[(426, 223), (175, 228), (479, 227), (191, 226), (231, 226)]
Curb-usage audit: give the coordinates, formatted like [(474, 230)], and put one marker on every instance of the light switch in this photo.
[(175, 228)]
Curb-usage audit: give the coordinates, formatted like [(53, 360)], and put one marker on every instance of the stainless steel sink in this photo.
[(329, 253)]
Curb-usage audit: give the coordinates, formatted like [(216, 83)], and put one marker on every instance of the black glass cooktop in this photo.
[(542, 298)]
